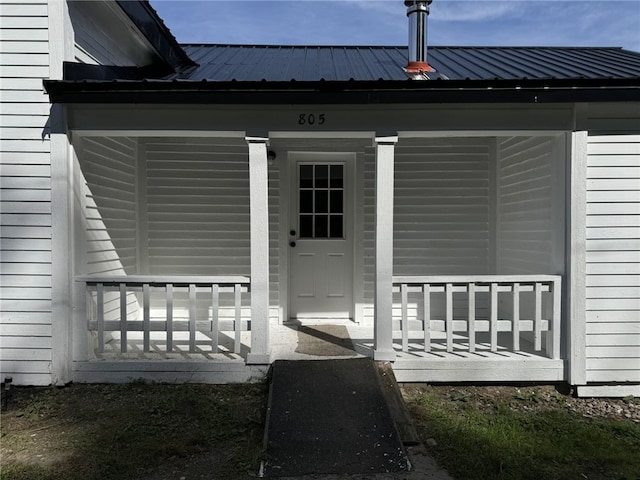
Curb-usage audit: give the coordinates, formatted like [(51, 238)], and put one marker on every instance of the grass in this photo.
[(523, 436), (133, 431), (155, 432)]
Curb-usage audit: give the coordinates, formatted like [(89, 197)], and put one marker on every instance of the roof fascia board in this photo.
[(175, 92)]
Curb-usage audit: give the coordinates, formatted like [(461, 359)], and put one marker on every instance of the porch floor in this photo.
[(313, 341)]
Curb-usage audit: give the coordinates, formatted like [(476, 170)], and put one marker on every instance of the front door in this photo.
[(321, 239)]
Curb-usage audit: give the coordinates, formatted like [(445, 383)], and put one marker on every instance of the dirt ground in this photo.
[(202, 432)]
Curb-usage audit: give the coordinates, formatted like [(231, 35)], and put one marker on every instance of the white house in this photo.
[(168, 209)]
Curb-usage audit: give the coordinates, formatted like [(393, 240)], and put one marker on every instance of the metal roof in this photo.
[(247, 63)]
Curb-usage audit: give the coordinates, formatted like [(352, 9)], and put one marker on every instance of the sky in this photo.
[(383, 22)]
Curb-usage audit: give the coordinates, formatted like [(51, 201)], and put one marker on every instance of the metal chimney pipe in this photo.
[(418, 11)]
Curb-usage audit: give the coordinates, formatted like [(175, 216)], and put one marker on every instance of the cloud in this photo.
[(474, 11)]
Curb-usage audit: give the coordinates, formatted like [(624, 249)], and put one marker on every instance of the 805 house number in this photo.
[(311, 119)]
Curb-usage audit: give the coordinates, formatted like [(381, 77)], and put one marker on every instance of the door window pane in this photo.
[(306, 226), (336, 176), (322, 174), (306, 201), (336, 201), (322, 201), (322, 226), (336, 226), (306, 176)]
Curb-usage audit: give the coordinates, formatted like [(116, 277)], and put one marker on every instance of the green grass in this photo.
[(133, 431), (497, 439)]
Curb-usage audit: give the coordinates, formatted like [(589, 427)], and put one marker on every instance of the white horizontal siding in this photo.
[(274, 241), (197, 211), (613, 259), (25, 194), (198, 207), (108, 166), (525, 206), (441, 209)]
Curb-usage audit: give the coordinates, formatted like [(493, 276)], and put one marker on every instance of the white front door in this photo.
[(321, 238)]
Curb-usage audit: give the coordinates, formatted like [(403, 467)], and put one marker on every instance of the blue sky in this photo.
[(383, 22)]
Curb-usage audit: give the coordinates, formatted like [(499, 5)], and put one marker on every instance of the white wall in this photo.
[(25, 194), (530, 205), (109, 166), (35, 37), (613, 258), (441, 209), (198, 206)]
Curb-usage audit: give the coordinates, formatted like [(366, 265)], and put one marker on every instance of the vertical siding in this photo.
[(108, 165), (525, 206), (441, 209), (25, 194), (613, 259)]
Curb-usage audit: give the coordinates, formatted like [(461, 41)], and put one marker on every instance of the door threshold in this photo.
[(292, 322)]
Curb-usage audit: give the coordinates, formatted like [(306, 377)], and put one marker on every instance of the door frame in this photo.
[(355, 228)]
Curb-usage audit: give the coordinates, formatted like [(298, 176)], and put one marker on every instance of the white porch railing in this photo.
[(197, 305), (462, 307)]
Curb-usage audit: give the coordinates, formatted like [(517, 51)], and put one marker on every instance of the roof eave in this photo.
[(348, 92)]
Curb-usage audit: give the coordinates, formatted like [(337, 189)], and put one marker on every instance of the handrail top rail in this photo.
[(457, 279), (165, 279)]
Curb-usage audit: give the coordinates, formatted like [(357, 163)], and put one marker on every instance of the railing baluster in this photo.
[(100, 315), (449, 315), (404, 323), (123, 318), (494, 317), (481, 317), (426, 292), (98, 300), (146, 322), (169, 317), (238, 323), (214, 318), (192, 318), (516, 317), (472, 317), (537, 327)]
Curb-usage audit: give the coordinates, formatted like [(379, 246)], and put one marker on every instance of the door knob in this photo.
[(292, 244), (292, 233)]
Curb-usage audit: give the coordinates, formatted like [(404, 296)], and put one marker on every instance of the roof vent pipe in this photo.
[(418, 11)]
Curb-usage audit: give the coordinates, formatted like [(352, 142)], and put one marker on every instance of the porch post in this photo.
[(383, 296), (576, 257), (259, 212)]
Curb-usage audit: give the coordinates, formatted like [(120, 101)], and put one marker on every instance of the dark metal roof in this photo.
[(250, 74), (253, 63)]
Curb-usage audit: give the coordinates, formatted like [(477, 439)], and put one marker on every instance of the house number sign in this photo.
[(311, 119)]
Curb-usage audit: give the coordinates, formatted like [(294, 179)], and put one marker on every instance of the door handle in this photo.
[(292, 243)]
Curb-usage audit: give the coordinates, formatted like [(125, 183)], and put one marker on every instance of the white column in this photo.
[(61, 242), (61, 48), (576, 253), (259, 211), (383, 295)]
